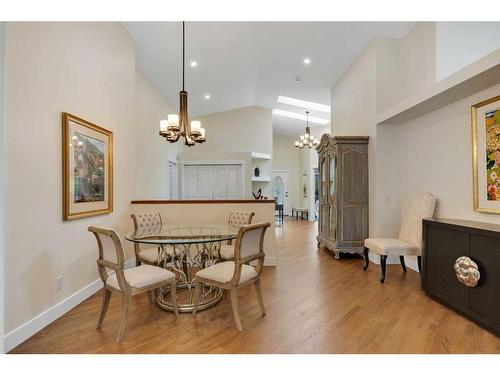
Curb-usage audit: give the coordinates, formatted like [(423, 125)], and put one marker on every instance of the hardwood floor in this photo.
[(314, 304)]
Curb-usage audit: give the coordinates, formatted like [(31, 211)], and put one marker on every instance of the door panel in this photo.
[(280, 190), (445, 246), (484, 298), (190, 182), (220, 184), (205, 182), (234, 183)]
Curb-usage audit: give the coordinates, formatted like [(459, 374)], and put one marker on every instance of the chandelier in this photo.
[(177, 125), (307, 139)]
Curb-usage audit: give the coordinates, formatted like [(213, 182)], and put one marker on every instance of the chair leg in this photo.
[(106, 296), (402, 261), (258, 291), (419, 263), (234, 305), (365, 255), (383, 261), (173, 295), (123, 322), (196, 297)]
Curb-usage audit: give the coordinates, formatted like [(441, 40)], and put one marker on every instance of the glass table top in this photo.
[(184, 234)]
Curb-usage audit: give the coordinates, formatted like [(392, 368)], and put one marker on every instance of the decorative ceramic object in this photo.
[(257, 172)]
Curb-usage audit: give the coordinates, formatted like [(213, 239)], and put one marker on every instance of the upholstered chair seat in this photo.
[(127, 282), (409, 243), (232, 275), (236, 220), (223, 272), (141, 276), (391, 247)]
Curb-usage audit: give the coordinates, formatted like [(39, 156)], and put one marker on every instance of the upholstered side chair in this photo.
[(149, 255), (420, 206), (232, 275), (126, 282), (237, 220)]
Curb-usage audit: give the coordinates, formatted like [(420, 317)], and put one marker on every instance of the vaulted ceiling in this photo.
[(250, 63)]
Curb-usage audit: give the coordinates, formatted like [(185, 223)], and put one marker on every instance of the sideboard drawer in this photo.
[(447, 245), (485, 297)]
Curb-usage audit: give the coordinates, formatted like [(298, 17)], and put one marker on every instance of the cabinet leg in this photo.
[(383, 261), (365, 255), (419, 263)]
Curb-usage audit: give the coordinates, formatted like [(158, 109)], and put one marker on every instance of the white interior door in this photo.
[(234, 182), (205, 182), (172, 179), (281, 192), (220, 182), (216, 181)]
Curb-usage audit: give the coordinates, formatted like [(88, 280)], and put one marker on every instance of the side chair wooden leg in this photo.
[(106, 296), (123, 322), (419, 263), (383, 261), (234, 305), (402, 261), (173, 295), (196, 296), (258, 292), (150, 296), (365, 256)]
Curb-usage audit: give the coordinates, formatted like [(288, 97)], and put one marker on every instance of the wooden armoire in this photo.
[(343, 193)]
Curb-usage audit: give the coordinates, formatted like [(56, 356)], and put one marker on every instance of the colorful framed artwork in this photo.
[(87, 168), (486, 155)]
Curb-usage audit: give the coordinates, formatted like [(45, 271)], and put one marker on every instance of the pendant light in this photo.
[(307, 139), (177, 125)]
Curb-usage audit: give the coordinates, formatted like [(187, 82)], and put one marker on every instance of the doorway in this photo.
[(281, 189)]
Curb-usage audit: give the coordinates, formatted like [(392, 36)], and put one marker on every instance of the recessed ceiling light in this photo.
[(193, 64), (207, 96), (298, 116), (307, 61), (304, 104)]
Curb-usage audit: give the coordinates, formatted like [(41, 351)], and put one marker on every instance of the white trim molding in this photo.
[(28, 329)]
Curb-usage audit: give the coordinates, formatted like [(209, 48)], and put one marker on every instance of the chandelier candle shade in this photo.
[(175, 125), (307, 139)]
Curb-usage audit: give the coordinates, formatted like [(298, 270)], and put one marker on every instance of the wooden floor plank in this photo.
[(314, 304)]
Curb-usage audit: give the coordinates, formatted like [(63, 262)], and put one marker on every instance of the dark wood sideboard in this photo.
[(445, 240)]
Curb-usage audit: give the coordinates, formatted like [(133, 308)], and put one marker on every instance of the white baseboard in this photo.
[(28, 329), (411, 262), (270, 261)]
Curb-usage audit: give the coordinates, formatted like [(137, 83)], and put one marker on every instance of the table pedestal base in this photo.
[(210, 296)]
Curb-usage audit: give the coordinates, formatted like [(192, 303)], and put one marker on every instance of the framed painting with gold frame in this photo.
[(87, 168), (486, 155)]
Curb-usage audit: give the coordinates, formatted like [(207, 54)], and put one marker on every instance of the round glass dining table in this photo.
[(187, 249)]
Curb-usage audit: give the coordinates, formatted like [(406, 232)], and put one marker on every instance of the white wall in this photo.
[(87, 69), (459, 44), (152, 151), (2, 160), (286, 157)]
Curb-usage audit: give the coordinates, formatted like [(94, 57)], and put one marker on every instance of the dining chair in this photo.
[(236, 219), (420, 206), (126, 282), (150, 255), (232, 275)]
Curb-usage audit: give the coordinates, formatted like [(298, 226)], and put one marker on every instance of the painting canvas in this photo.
[(486, 155), (87, 172)]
